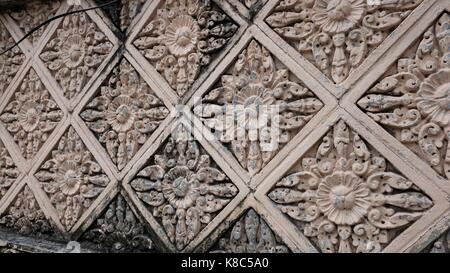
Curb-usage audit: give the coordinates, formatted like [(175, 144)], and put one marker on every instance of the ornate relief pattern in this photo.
[(25, 216), (124, 114), (10, 61), (119, 230), (130, 9), (31, 115), (34, 14), (337, 35), (182, 39), (75, 53), (8, 171), (441, 245), (266, 105), (413, 101), (182, 187), (72, 178), (347, 198), (250, 234)]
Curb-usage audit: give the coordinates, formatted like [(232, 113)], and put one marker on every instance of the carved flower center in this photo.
[(123, 113), (339, 9), (342, 197), (29, 116), (181, 186), (71, 182), (184, 36), (73, 51), (181, 35)]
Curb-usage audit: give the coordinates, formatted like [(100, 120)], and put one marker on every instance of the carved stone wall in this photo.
[(116, 133)]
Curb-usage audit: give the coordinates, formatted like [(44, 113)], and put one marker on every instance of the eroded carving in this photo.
[(258, 108), (413, 101), (441, 245), (34, 14), (182, 38), (8, 171), (345, 197), (10, 61), (124, 114), (75, 52), (72, 178), (337, 35), (31, 115), (119, 230), (183, 188), (250, 234), (25, 216)]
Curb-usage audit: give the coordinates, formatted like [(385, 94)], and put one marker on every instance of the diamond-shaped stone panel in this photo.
[(346, 197), (31, 115), (441, 245), (124, 113), (26, 217), (8, 171), (412, 100), (34, 14), (257, 107), (72, 178), (182, 187), (250, 234), (181, 39), (337, 35), (75, 51), (10, 61), (122, 12), (118, 229)]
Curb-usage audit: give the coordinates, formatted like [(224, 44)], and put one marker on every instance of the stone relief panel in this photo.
[(8, 171), (31, 115), (257, 107), (74, 53), (412, 101), (118, 229), (34, 14), (250, 234), (441, 245), (130, 9), (181, 39), (26, 217), (346, 197), (337, 35), (72, 178), (124, 113), (183, 188), (10, 61)]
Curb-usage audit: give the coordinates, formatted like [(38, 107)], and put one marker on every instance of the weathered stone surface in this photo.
[(230, 126)]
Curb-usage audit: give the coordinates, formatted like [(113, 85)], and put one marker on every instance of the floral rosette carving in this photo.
[(124, 114), (250, 234), (347, 198), (183, 188), (8, 170), (413, 103), (34, 14), (25, 216), (337, 35), (257, 109), (10, 61), (31, 115), (441, 245), (119, 230), (75, 52), (182, 38), (71, 178)]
